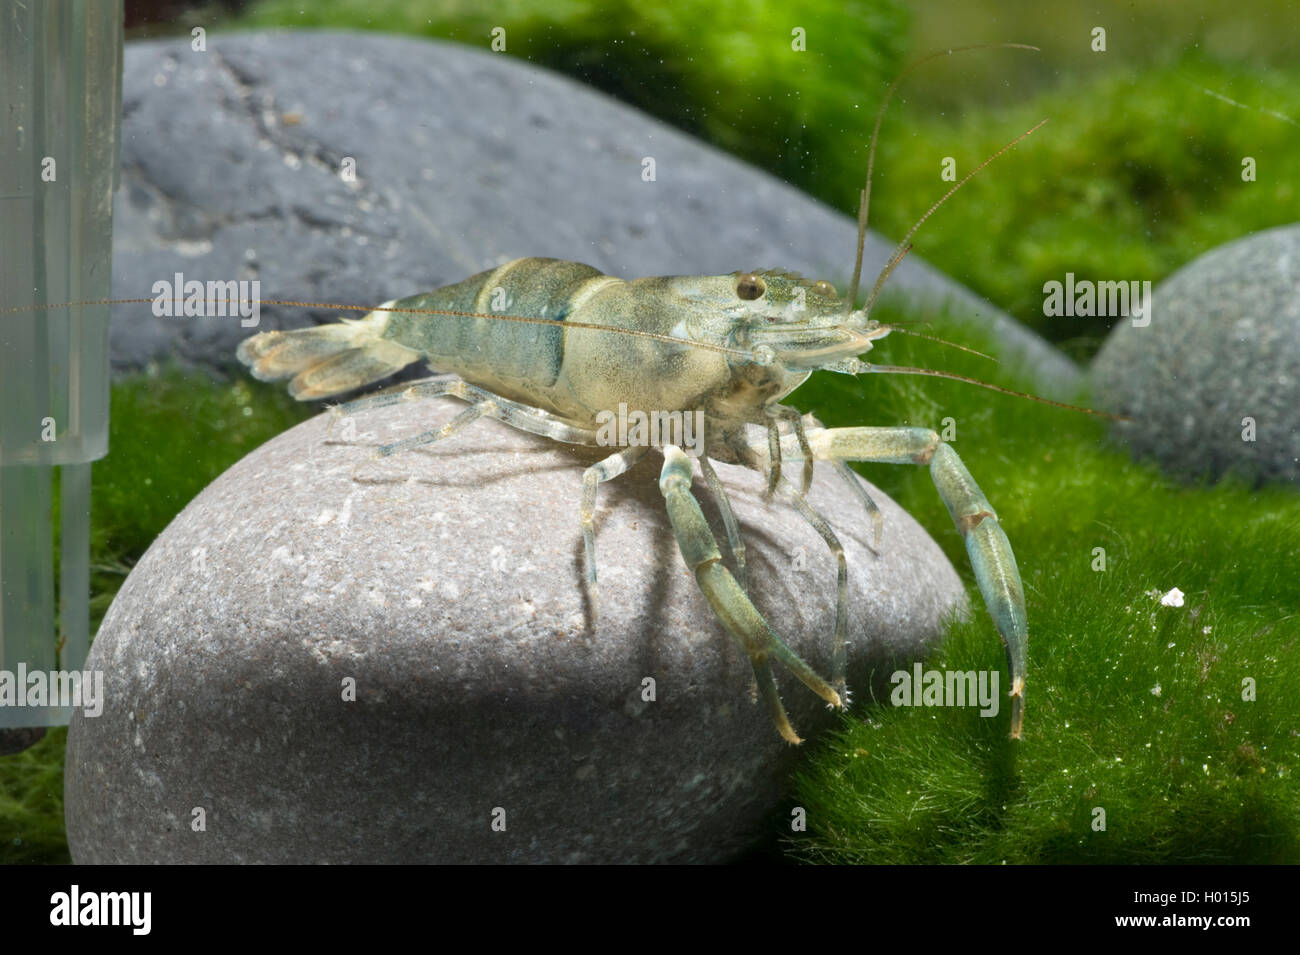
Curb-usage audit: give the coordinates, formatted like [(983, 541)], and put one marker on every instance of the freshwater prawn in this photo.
[(551, 347)]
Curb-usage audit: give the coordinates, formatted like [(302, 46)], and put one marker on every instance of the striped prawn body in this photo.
[(570, 371)]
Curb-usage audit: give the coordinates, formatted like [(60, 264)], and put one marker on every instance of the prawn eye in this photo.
[(825, 288), (750, 287)]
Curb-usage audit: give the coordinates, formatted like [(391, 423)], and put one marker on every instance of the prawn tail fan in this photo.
[(329, 359)]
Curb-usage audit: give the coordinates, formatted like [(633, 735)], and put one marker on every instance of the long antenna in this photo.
[(942, 341), (865, 195), (905, 246), (936, 373)]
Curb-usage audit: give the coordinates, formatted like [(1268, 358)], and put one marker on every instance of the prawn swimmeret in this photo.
[(553, 347)]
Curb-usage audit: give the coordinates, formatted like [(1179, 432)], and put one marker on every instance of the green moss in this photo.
[(31, 804)]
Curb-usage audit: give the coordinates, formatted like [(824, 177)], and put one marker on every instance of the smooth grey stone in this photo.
[(231, 164), (448, 583), (1223, 345)]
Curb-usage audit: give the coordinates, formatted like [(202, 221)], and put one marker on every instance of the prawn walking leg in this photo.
[(745, 453), (840, 657), (700, 551), (514, 413), (734, 540), (776, 414), (847, 474), (986, 543)]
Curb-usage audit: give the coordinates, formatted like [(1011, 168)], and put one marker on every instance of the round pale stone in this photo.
[(1212, 383), (399, 664)]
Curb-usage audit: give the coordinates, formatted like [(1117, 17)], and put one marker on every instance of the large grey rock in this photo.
[(1223, 346), (231, 164), (453, 598)]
